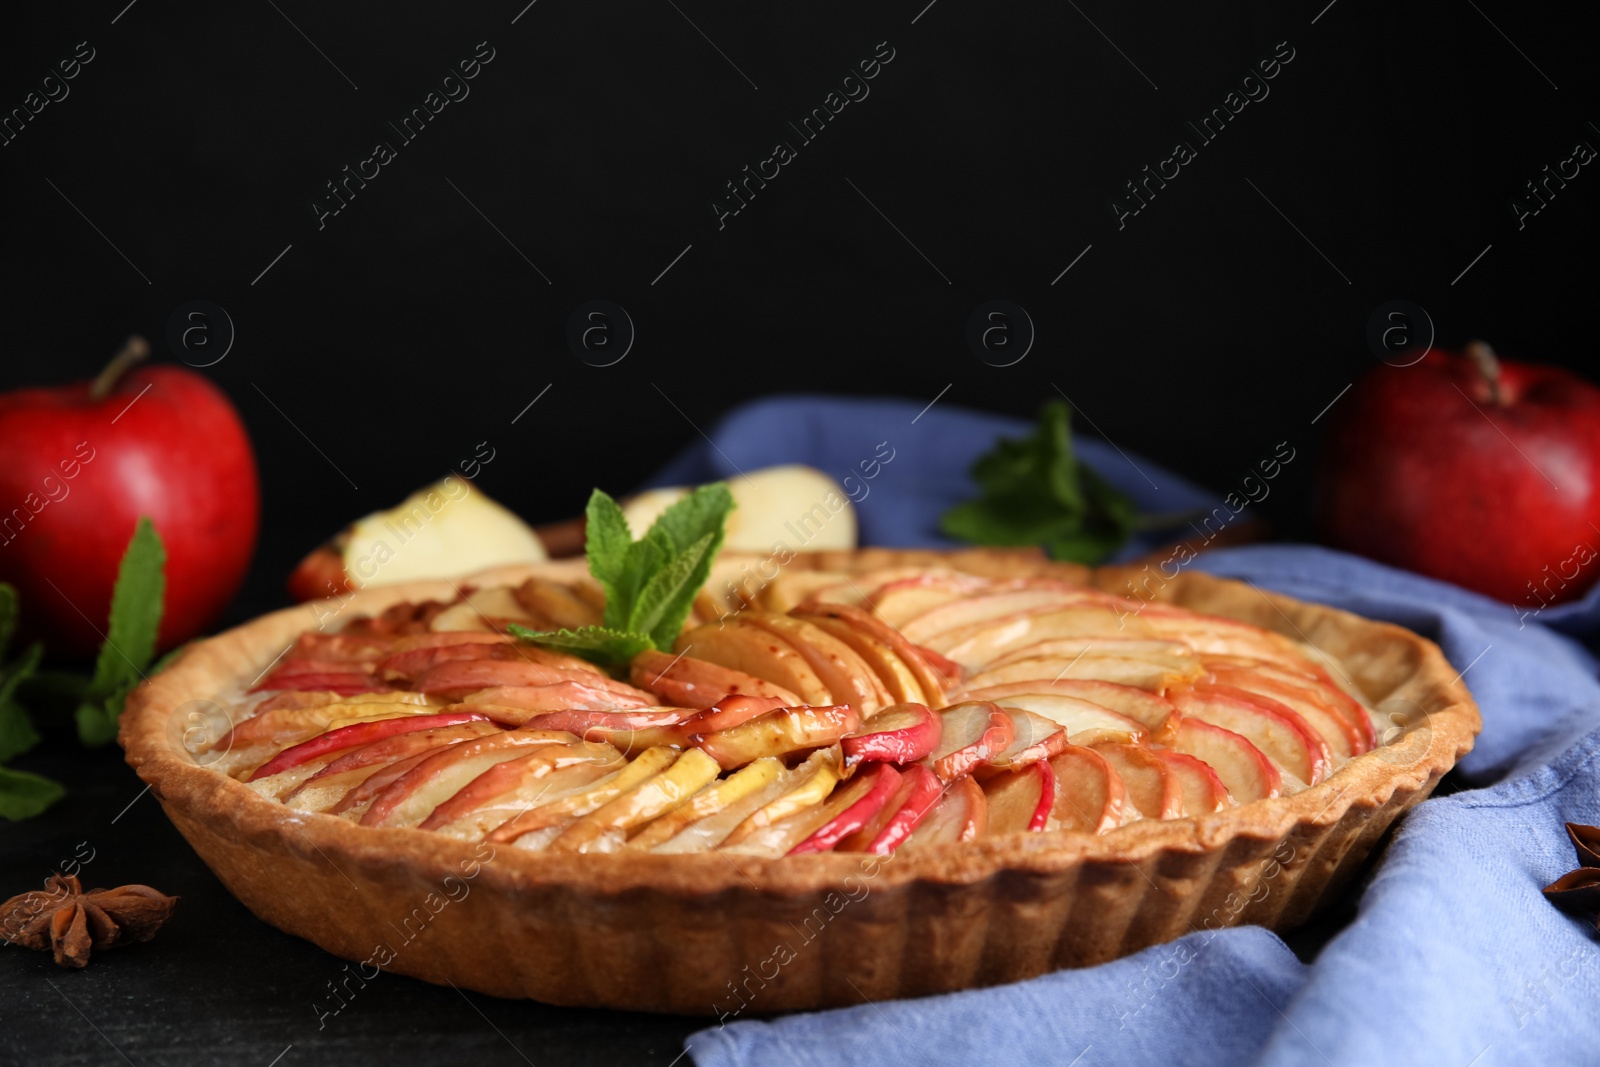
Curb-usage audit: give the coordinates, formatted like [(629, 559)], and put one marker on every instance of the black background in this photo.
[(1223, 318)]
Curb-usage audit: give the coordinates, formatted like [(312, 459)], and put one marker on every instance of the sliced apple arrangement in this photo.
[(901, 709)]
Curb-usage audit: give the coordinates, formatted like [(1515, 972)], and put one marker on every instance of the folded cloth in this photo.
[(1454, 956)]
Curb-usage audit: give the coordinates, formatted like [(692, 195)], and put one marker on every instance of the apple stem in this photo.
[(136, 351), (1488, 367)]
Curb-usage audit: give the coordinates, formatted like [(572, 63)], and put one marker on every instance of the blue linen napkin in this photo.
[(1454, 956)]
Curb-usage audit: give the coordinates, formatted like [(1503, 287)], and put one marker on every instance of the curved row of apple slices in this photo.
[(1073, 710)]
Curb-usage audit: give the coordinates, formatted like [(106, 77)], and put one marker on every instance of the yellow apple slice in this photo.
[(552, 816), (932, 683), (605, 828), (710, 831), (445, 530), (794, 505), (817, 777), (820, 827), (714, 797), (757, 652), (778, 733)]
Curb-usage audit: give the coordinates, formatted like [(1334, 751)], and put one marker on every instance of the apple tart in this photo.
[(912, 771)]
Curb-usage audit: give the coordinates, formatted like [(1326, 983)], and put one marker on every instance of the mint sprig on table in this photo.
[(124, 661), (650, 584), (1036, 492)]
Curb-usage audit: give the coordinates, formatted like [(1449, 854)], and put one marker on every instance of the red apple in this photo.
[(80, 463), (1462, 467)]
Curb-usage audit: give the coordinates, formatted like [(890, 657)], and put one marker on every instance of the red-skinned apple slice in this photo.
[(751, 650), (1245, 771), (897, 678), (851, 807), (1086, 723), (1137, 704), (958, 813), (520, 771), (903, 733), (806, 790), (1151, 787), (1035, 738), (1021, 801), (732, 711), (1211, 635), (898, 602), (934, 685), (1200, 790), (259, 738), (1343, 739), (986, 608), (350, 770), (345, 683), (846, 674), (687, 681), (412, 797), (1089, 793), (1285, 738), (970, 734), (457, 678), (629, 731), (359, 734), (1313, 676), (778, 733), (314, 698), (1073, 647), (987, 641), (1154, 673), (515, 705), (916, 795)]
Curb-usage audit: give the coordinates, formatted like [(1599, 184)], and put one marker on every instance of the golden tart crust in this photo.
[(719, 934)]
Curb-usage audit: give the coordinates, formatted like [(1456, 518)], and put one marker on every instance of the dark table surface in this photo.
[(217, 985)]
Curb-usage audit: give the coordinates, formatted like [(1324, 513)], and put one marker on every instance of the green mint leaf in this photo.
[(597, 644), (24, 795), (606, 541), (131, 637), (702, 511), (665, 601), (17, 734), (1035, 492)]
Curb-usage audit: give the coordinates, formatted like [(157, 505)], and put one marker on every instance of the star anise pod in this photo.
[(1579, 890), (65, 919)]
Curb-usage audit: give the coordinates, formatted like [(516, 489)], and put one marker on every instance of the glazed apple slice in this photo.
[(809, 787), (1089, 793), (985, 609), (1138, 704), (628, 731), (547, 816), (1310, 676), (515, 705), (606, 828), (1021, 801), (348, 771), (753, 651), (851, 807), (359, 734), (1035, 738), (313, 698), (1285, 738), (933, 683), (1086, 723), (1200, 790), (986, 642), (460, 677), (1154, 673), (290, 726), (903, 733), (686, 681), (960, 814), (899, 602), (918, 790), (1342, 738), (1071, 648), (778, 733), (1210, 635), (845, 674), (970, 734), (892, 671), (412, 797), (1153, 790), (1245, 772), (715, 797), (513, 775)]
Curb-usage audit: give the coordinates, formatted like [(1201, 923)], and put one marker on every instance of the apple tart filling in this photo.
[(900, 709)]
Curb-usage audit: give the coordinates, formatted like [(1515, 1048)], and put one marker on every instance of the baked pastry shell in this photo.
[(715, 934)]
